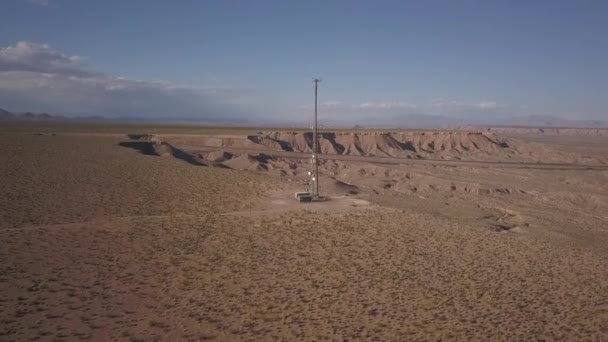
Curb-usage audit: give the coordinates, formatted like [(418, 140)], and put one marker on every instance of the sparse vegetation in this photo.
[(110, 243)]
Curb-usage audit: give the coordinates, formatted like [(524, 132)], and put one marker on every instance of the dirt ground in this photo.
[(103, 242)]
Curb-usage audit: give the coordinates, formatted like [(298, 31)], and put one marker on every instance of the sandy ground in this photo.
[(102, 242)]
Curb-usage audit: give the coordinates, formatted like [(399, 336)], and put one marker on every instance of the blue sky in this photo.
[(472, 59)]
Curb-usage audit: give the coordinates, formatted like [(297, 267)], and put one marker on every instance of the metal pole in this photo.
[(316, 145)]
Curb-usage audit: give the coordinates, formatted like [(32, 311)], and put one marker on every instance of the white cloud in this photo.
[(37, 77), (40, 2), (365, 106), (26, 56), (331, 103), (345, 111), (488, 105), (386, 105), (440, 103)]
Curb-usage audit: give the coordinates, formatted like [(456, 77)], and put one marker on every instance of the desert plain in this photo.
[(133, 233)]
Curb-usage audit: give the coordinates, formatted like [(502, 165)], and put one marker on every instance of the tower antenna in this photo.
[(310, 196), (315, 146)]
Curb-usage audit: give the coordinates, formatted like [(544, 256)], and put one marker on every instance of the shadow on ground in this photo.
[(154, 149)]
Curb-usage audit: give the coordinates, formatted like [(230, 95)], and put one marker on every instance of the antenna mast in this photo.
[(315, 146)]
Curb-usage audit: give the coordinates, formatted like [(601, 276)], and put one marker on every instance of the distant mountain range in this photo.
[(436, 121), (396, 121), (6, 115), (551, 121)]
